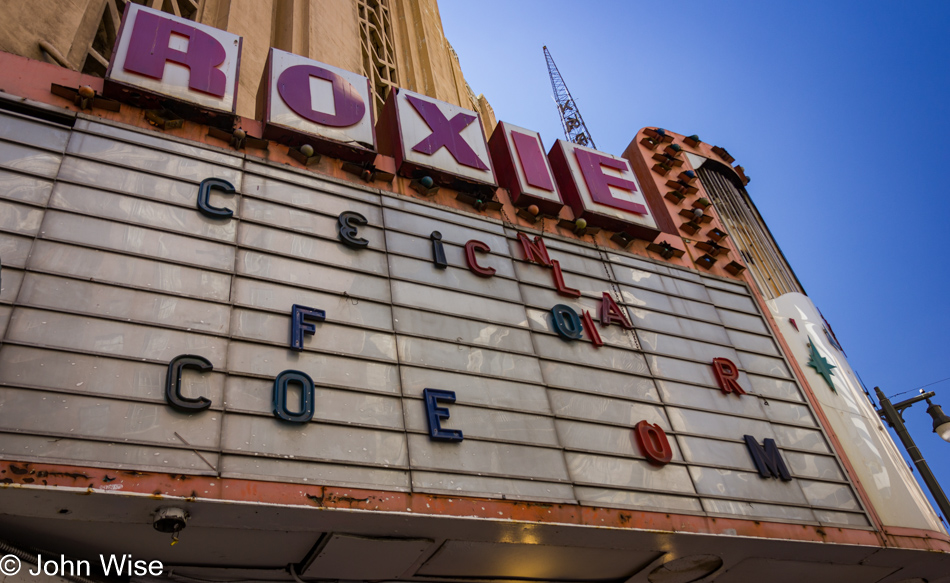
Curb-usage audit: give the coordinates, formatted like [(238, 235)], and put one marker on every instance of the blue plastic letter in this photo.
[(436, 414), (768, 460), (566, 322), (299, 326)]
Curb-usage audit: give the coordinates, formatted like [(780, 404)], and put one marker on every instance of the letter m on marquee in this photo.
[(768, 460)]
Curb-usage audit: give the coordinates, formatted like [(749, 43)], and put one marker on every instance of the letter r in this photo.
[(149, 50)]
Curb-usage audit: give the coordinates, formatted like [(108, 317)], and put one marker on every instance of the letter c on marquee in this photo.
[(173, 383)]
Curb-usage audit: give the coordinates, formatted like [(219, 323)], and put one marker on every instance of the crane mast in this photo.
[(574, 129)]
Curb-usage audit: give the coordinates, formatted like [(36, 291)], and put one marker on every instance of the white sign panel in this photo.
[(523, 168), (441, 136), (602, 189), (319, 100), (172, 56)]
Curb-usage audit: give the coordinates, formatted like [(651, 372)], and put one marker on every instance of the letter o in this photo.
[(566, 322), (306, 396), (654, 443)]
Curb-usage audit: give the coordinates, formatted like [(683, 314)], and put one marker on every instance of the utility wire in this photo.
[(920, 387)]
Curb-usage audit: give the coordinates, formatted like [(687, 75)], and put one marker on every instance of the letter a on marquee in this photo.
[(177, 58), (611, 313)]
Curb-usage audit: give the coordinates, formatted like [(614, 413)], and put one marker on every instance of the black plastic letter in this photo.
[(173, 383), (347, 229), (204, 193), (306, 396), (438, 250), (768, 460)]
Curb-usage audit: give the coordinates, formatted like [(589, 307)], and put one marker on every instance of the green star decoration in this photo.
[(821, 366)]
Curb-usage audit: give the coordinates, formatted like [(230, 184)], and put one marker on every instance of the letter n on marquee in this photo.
[(434, 138), (307, 102), (164, 55)]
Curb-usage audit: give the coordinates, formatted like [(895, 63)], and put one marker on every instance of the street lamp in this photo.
[(892, 414), (941, 421)]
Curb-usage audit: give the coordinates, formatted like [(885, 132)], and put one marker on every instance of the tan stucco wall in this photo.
[(324, 30)]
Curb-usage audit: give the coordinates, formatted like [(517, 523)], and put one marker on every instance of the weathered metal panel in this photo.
[(274, 296), (314, 441), (87, 374), (305, 274), (331, 338), (110, 337), (325, 369), (489, 487), (487, 424), (83, 297), (23, 188), (126, 209), (288, 218), (108, 235), (142, 157), (457, 303), (456, 278), (432, 353), (452, 329), (318, 200), (474, 390), (616, 472), (487, 458), (120, 269)]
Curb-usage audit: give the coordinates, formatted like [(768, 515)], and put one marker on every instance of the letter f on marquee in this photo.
[(446, 133), (299, 326)]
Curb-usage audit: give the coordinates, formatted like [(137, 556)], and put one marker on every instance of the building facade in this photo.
[(283, 301)]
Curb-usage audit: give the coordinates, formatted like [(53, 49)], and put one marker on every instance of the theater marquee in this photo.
[(182, 309)]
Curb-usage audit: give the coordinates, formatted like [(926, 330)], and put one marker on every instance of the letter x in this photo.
[(446, 133)]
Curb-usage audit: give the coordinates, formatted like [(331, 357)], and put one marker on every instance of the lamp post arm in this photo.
[(921, 397), (891, 414)]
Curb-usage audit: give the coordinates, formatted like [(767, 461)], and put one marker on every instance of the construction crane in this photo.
[(571, 120)]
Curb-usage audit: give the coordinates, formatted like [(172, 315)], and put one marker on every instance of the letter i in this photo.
[(438, 250)]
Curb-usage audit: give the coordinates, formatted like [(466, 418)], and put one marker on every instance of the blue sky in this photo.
[(838, 111)]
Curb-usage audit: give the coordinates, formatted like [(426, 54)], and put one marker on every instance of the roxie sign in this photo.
[(160, 57)]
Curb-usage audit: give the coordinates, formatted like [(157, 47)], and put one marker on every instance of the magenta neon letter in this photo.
[(446, 133), (599, 184), (149, 51), (294, 88), (531, 155)]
